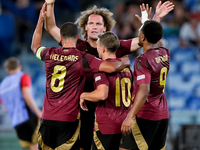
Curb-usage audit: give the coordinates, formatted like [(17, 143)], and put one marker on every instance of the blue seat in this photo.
[(181, 54), (7, 32), (188, 68)]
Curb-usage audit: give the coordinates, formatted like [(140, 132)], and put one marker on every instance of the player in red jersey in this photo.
[(113, 94), (65, 69), (93, 22), (147, 121)]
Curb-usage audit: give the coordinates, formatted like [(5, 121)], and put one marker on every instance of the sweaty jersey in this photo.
[(111, 112), (152, 68), (65, 68)]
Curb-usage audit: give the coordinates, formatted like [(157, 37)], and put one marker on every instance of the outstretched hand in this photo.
[(43, 12), (163, 9), (143, 8)]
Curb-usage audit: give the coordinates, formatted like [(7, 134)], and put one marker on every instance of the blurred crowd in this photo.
[(18, 19)]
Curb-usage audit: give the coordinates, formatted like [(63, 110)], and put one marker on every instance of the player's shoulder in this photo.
[(81, 44)]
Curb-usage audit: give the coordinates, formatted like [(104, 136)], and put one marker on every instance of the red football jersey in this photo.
[(124, 48), (65, 69), (83, 45), (152, 68), (111, 113)]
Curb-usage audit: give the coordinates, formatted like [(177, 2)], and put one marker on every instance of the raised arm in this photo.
[(116, 66), (146, 14), (100, 93), (37, 36), (162, 10), (50, 23)]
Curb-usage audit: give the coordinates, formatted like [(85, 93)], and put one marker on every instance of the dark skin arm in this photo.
[(139, 101)]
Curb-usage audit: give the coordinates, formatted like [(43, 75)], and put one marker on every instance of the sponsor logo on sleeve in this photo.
[(140, 77), (97, 78)]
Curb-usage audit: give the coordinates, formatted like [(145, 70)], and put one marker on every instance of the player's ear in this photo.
[(143, 37), (61, 37), (20, 67), (104, 30), (77, 37), (104, 49)]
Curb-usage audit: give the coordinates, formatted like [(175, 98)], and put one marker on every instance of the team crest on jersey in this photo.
[(140, 77)]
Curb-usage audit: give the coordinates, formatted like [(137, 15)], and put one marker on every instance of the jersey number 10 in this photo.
[(124, 82)]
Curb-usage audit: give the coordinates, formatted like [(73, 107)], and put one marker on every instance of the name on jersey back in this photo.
[(63, 57), (161, 58)]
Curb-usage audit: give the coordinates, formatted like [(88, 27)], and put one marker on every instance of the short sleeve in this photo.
[(124, 48), (100, 78), (91, 63), (41, 52), (141, 71), (25, 81)]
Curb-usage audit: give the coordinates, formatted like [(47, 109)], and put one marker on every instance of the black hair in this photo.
[(152, 31), (69, 30)]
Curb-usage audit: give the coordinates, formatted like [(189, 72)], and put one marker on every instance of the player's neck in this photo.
[(13, 71), (149, 46), (108, 55), (67, 44), (92, 42)]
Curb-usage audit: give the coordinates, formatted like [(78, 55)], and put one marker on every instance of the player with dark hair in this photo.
[(17, 100), (145, 126), (65, 70), (92, 22), (113, 94)]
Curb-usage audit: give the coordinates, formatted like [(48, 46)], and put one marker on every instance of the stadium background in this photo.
[(18, 19)]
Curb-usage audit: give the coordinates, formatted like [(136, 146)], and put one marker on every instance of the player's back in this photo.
[(158, 64), (152, 68), (64, 83), (120, 90), (111, 113)]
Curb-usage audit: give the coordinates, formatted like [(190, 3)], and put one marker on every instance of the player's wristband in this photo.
[(144, 16)]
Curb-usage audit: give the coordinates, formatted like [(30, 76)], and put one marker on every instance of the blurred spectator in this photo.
[(190, 31), (24, 12), (127, 24), (175, 20), (6, 35)]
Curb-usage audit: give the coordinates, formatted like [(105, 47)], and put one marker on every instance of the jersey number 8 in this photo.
[(59, 76)]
